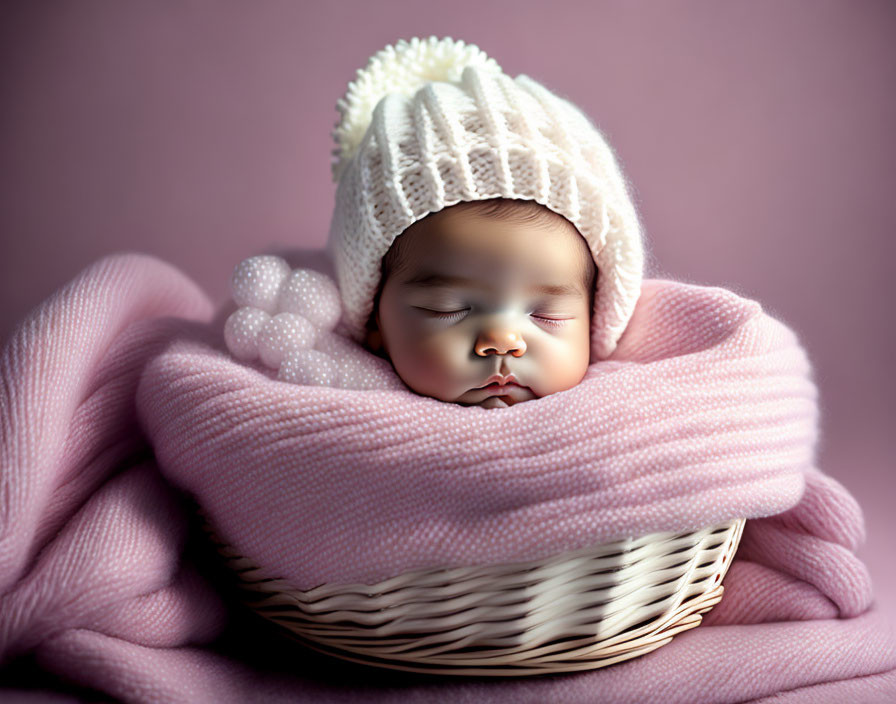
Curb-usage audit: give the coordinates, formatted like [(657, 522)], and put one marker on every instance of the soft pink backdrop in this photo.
[(758, 135)]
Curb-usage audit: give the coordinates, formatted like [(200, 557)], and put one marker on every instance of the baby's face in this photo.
[(477, 300)]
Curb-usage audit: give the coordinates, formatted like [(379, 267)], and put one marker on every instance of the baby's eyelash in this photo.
[(458, 314), (556, 322), (446, 315)]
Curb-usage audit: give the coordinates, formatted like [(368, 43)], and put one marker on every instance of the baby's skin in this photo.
[(487, 311)]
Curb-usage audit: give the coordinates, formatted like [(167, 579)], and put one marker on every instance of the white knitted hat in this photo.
[(430, 123)]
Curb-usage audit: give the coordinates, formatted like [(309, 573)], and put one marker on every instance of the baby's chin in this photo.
[(497, 402), (500, 401), (483, 399)]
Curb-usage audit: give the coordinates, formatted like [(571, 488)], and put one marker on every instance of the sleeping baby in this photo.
[(483, 240)]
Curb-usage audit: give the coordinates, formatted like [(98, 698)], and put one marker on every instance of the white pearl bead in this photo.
[(281, 333), (313, 295), (256, 282), (241, 332)]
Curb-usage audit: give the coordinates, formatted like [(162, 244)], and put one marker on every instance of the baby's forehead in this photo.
[(433, 277), (463, 252), (507, 282)]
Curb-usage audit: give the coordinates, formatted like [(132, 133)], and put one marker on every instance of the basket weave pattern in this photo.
[(578, 610)]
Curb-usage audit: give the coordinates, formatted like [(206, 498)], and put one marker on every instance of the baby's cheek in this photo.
[(444, 354), (432, 366), (563, 364)]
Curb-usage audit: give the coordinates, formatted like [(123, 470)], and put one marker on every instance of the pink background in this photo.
[(758, 136)]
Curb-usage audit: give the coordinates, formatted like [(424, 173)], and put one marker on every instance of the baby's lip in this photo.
[(506, 387), (500, 389), (500, 392), (501, 381)]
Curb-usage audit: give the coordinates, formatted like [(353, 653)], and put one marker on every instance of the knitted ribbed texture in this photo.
[(90, 534), (441, 124), (96, 584)]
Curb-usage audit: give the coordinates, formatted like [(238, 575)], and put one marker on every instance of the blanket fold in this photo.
[(117, 397)]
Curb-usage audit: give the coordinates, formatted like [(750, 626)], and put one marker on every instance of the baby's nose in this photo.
[(495, 341)]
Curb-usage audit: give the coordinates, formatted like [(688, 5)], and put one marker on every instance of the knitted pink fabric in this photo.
[(705, 412)]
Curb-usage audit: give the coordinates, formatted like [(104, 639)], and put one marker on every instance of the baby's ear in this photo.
[(374, 340)]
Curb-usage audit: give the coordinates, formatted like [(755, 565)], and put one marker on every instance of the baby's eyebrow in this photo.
[(432, 280), (427, 279), (557, 290)]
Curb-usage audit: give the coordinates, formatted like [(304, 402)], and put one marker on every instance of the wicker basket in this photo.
[(578, 610)]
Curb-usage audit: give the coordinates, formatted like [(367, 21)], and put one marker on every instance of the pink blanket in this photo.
[(117, 396)]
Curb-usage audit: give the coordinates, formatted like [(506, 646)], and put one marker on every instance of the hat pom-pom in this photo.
[(401, 68)]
